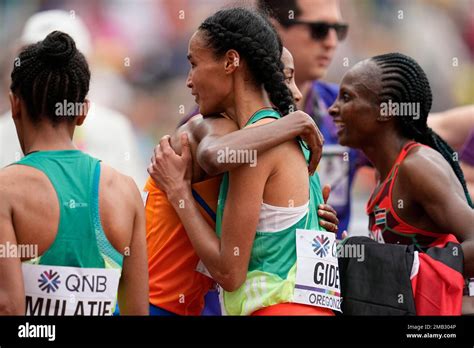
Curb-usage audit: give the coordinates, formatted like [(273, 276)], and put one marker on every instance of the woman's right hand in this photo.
[(311, 135)]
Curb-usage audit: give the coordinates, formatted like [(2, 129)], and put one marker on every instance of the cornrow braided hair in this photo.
[(49, 72), (257, 41), (404, 81)]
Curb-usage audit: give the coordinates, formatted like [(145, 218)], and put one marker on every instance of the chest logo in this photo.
[(321, 245), (49, 281)]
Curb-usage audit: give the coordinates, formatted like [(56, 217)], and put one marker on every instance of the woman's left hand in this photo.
[(327, 214), (171, 172)]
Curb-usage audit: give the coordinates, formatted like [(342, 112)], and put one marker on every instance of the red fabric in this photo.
[(292, 309), (437, 288)]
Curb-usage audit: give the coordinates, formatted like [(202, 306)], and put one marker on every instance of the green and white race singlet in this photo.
[(80, 272), (271, 273)]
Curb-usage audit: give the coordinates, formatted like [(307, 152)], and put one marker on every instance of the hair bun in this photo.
[(57, 47)]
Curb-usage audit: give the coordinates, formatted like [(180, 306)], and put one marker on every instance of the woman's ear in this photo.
[(232, 61), (85, 109), (15, 104), (384, 112)]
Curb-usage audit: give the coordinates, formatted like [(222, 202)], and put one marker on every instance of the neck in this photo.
[(383, 152), (247, 100), (304, 88), (46, 138)]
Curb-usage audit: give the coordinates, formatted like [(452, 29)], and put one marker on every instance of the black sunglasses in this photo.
[(320, 30)]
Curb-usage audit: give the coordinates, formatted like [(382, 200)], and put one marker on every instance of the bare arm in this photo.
[(133, 287), (12, 291), (209, 136), (453, 125), (260, 139), (226, 259), (436, 191)]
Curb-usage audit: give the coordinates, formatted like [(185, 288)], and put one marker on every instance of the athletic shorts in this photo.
[(293, 309)]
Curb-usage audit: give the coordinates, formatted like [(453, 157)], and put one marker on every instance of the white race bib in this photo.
[(144, 196), (201, 268), (57, 290), (377, 235), (317, 270), (333, 169)]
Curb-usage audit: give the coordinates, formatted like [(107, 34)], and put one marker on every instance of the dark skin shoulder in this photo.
[(209, 135), (432, 199), (198, 129)]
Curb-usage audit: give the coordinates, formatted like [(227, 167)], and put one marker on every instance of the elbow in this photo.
[(230, 276), (231, 282), (208, 161)]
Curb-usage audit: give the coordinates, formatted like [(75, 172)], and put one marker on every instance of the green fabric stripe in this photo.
[(103, 243), (261, 114)]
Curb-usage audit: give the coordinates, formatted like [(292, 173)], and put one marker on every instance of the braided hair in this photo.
[(257, 41), (404, 81), (49, 72)]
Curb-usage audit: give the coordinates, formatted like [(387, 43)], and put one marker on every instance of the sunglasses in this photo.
[(320, 30)]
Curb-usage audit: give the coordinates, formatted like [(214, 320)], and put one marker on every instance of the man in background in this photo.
[(312, 31)]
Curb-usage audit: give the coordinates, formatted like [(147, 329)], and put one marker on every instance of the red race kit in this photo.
[(436, 276)]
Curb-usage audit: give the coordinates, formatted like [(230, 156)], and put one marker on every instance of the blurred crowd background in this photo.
[(139, 66)]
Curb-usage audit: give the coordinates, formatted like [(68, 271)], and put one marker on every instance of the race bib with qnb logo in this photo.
[(333, 169), (57, 290), (317, 270)]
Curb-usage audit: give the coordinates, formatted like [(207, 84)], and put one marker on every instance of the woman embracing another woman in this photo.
[(236, 69)]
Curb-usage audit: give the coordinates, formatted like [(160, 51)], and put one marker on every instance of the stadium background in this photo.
[(138, 57)]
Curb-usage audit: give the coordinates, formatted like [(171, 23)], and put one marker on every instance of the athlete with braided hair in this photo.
[(235, 58), (176, 288), (421, 198), (50, 199)]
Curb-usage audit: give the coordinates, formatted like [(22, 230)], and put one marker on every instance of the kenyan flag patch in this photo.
[(380, 216)]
